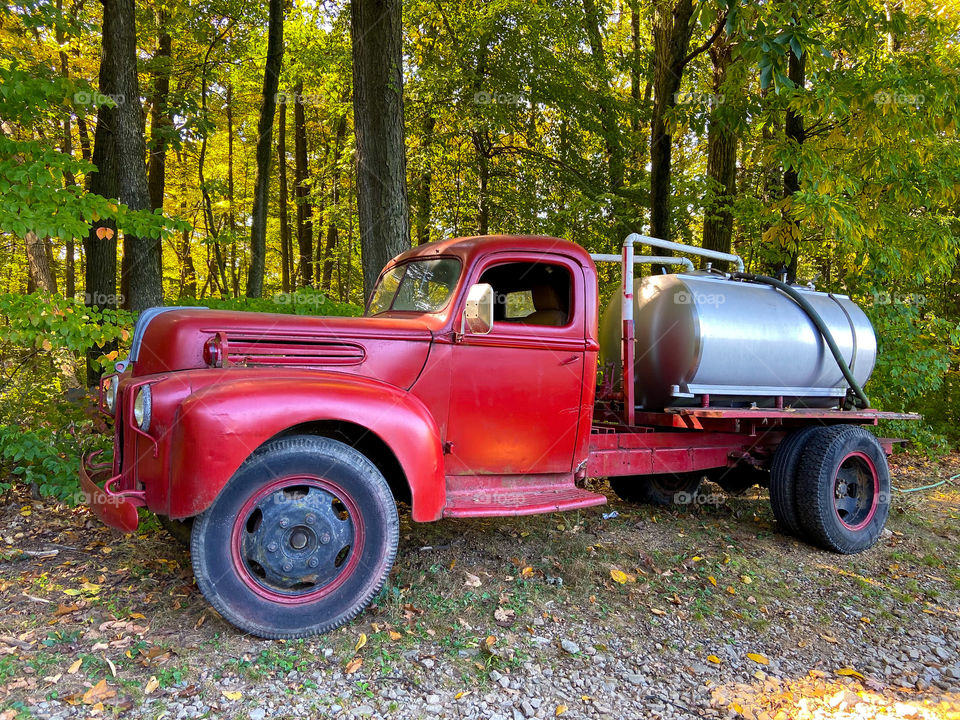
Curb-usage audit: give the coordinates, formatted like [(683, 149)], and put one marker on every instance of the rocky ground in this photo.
[(707, 611)]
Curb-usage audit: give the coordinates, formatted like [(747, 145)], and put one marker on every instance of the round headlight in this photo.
[(141, 408), (110, 396)]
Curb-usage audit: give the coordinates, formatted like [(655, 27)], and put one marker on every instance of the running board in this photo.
[(501, 496)]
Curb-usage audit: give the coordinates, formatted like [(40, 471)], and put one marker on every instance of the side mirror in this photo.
[(478, 312)]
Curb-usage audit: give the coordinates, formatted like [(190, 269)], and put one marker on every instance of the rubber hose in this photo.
[(817, 321)]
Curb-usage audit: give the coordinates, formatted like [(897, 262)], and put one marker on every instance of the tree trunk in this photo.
[(127, 146), (161, 123), (302, 190), (333, 229), (285, 255), (790, 229), (609, 122), (271, 82), (482, 146), (66, 147), (378, 116), (39, 256), (721, 160), (424, 194), (672, 30)]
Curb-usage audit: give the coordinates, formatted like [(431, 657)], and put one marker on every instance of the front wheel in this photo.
[(299, 541), (843, 490)]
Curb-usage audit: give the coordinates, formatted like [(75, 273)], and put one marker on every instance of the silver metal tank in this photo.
[(703, 334)]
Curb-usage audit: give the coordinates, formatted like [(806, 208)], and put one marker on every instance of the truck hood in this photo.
[(392, 349)]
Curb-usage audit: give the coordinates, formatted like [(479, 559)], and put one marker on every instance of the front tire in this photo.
[(299, 540), (843, 490)]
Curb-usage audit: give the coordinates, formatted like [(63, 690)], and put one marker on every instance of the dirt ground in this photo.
[(705, 611)]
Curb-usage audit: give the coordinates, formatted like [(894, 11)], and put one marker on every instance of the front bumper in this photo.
[(116, 508)]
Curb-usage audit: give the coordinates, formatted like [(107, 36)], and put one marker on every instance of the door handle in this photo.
[(571, 359)]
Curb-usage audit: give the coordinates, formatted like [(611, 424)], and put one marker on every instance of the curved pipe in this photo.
[(817, 321)]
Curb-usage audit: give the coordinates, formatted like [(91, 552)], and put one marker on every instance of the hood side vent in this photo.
[(290, 351)]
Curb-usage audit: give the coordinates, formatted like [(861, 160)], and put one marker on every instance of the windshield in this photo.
[(420, 286)]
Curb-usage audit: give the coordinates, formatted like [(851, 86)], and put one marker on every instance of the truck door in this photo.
[(516, 392)]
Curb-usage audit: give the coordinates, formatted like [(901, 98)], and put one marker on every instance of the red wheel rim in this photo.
[(268, 555), (856, 491)]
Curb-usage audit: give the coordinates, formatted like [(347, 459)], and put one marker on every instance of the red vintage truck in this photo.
[(481, 382)]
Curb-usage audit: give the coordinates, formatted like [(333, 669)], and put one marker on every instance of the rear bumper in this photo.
[(116, 508)]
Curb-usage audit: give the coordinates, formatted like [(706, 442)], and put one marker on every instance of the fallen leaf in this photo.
[(746, 579), (98, 693), (731, 590), (75, 666), (714, 659), (394, 635), (232, 695), (849, 672), (658, 611), (65, 610), (361, 641), (472, 580), (758, 658), (618, 576), (526, 572), (152, 684), (504, 616), (713, 580), (353, 665), (113, 668), (561, 709)]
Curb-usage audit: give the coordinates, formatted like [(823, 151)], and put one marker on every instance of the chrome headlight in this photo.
[(141, 408), (110, 396)]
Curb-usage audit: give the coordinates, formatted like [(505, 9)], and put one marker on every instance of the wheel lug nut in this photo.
[(310, 518), (284, 522), (325, 538), (313, 562), (287, 567), (272, 547)]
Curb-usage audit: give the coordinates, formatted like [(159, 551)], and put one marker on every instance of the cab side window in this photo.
[(530, 293)]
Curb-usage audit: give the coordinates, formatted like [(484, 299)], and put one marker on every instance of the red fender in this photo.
[(219, 426)]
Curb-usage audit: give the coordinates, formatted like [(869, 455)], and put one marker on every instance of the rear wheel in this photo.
[(783, 477), (661, 489), (299, 540), (843, 490)]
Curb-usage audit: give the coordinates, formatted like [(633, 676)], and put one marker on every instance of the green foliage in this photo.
[(305, 301)]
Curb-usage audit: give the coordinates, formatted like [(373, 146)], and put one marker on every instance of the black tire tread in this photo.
[(293, 444), (814, 505), (783, 479)]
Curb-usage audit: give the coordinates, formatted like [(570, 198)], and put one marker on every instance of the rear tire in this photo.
[(661, 489), (299, 540), (843, 490), (783, 478), (738, 479)]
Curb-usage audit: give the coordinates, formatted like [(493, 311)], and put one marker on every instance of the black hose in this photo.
[(817, 321)]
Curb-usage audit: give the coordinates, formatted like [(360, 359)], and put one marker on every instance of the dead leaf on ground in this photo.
[(98, 693)]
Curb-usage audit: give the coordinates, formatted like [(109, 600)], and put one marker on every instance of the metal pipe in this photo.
[(645, 259), (680, 247), (818, 323), (627, 349)]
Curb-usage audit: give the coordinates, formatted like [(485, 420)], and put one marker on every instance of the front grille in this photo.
[(290, 351)]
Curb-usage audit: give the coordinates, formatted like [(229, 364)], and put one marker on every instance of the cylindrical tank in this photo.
[(702, 334)]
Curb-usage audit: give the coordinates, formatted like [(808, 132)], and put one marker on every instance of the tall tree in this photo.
[(285, 254), (141, 254), (721, 157), (161, 120), (673, 27), (271, 83), (333, 224), (301, 190), (793, 127), (376, 32)]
